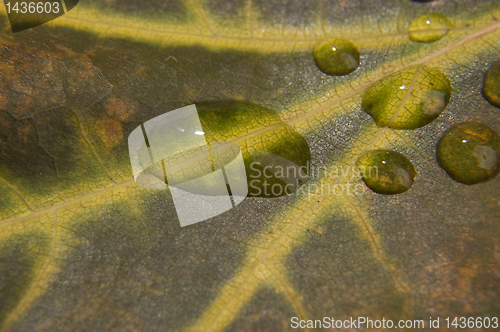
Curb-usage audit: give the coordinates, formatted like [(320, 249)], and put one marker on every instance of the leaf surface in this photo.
[(82, 247)]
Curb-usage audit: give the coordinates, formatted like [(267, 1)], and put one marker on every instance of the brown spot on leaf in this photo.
[(24, 133), (120, 108), (4, 121), (28, 81), (110, 131)]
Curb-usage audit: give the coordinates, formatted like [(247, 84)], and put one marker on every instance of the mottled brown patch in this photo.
[(110, 131), (3, 97), (5, 73), (191, 93), (4, 121), (120, 108), (83, 82), (28, 81), (24, 133)]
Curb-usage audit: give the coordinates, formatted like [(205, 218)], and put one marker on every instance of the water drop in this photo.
[(276, 156), (336, 57), (386, 172), (424, 96), (469, 152), (429, 27), (491, 88)]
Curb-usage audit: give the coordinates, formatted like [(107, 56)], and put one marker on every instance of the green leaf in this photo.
[(82, 247)]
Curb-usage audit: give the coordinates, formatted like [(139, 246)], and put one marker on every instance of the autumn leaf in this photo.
[(82, 247)]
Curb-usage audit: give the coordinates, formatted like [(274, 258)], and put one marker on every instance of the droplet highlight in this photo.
[(408, 99), (336, 57), (469, 153), (430, 27), (386, 172), (491, 88)]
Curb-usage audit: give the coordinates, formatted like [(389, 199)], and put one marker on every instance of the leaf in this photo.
[(82, 247)]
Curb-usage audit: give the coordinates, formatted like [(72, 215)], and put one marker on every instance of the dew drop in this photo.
[(469, 152), (276, 156), (428, 28), (336, 57), (424, 96), (386, 172), (491, 88)]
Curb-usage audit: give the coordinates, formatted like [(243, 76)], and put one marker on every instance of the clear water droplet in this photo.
[(270, 149), (491, 88), (469, 153), (429, 95), (430, 27), (336, 57), (386, 172)]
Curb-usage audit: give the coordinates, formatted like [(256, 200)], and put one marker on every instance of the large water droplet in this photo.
[(386, 172), (469, 152), (429, 27), (336, 57), (276, 156), (491, 88), (408, 99)]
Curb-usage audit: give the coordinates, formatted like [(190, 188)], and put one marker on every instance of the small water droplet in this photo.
[(199, 132), (491, 88), (429, 27), (336, 57), (469, 152), (429, 96), (386, 172)]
